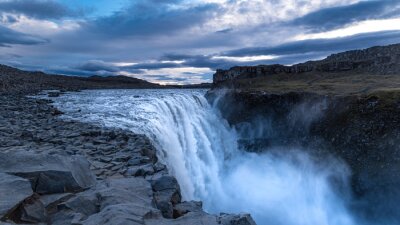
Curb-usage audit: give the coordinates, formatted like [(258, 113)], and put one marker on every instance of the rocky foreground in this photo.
[(60, 172)]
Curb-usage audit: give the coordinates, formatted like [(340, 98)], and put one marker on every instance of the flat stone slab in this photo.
[(49, 174), (13, 190)]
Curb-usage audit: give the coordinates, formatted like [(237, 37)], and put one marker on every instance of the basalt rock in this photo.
[(376, 60), (49, 174), (166, 194), (13, 191)]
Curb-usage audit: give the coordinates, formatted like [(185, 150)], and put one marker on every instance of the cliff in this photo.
[(372, 61), (345, 106)]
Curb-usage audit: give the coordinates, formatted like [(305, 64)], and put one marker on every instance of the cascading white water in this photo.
[(201, 150)]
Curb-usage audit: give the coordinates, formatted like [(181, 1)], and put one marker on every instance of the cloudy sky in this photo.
[(185, 41)]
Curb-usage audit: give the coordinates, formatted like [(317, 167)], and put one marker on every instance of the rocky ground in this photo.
[(61, 172)]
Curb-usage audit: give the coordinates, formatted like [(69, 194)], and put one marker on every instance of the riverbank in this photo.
[(64, 172)]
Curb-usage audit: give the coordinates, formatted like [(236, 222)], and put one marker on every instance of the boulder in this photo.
[(125, 190), (181, 209), (142, 170), (122, 214), (13, 190), (50, 202), (201, 218), (111, 201), (166, 183), (192, 218), (33, 211), (166, 194), (66, 217), (84, 204), (49, 174)]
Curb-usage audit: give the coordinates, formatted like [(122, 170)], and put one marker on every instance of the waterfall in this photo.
[(278, 187), (201, 150)]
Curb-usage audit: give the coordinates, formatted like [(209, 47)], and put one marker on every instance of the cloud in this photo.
[(137, 37), (10, 37), (168, 78), (40, 9), (97, 65), (224, 31), (336, 17), (153, 66), (321, 45), (152, 17)]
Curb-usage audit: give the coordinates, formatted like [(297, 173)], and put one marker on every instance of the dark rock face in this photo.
[(363, 131), (376, 60)]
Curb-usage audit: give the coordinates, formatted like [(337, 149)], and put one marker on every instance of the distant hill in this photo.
[(14, 80)]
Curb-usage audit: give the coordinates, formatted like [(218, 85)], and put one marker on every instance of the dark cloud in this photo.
[(10, 19), (335, 17), (225, 31), (152, 66), (152, 17), (10, 37), (10, 56), (97, 65), (40, 9), (289, 53), (322, 45), (168, 78)]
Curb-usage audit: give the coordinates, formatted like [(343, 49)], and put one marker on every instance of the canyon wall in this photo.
[(376, 60)]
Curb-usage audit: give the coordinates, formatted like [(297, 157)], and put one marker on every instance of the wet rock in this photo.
[(240, 219), (166, 183), (192, 218), (122, 158), (158, 166), (49, 174), (50, 202), (33, 211), (84, 204), (129, 214), (181, 209), (65, 217), (137, 161), (123, 201), (143, 170), (125, 190), (54, 94), (77, 219), (56, 112), (13, 190), (166, 194)]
